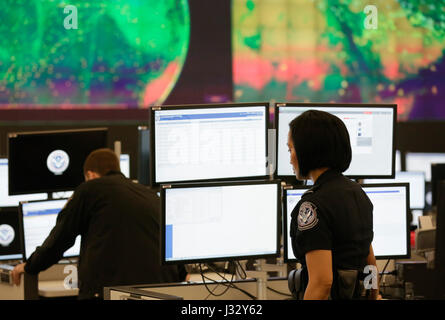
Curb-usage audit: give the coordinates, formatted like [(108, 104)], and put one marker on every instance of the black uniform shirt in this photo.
[(335, 214), (118, 221)]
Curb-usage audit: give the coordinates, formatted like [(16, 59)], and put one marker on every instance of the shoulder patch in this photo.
[(307, 216)]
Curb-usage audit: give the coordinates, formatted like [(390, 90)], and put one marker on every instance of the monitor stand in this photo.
[(261, 276), (59, 195)]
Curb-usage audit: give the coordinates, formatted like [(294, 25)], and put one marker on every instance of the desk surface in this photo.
[(55, 288), (200, 291)]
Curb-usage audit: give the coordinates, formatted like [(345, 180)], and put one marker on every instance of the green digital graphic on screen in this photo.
[(122, 53), (341, 51), (130, 54)]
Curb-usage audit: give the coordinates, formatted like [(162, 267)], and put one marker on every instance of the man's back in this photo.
[(121, 245), (119, 222)]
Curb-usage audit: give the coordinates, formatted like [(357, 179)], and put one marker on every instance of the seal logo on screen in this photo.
[(58, 162), (7, 235)]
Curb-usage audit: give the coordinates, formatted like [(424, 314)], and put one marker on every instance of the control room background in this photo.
[(127, 55)]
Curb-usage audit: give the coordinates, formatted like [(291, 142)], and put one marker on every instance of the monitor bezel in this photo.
[(337, 105), (10, 135), (424, 187), (18, 256), (419, 173), (152, 147), (22, 229), (22, 194), (225, 258), (407, 153), (407, 220), (383, 185)]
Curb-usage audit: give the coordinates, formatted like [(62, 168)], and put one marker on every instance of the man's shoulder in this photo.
[(100, 183), (116, 182)]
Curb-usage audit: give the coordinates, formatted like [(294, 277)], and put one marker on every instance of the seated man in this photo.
[(119, 223)]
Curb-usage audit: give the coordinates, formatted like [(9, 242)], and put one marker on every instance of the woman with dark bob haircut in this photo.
[(331, 226)]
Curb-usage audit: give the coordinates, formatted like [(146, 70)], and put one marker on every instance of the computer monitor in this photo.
[(390, 219), (220, 221), (10, 246), (290, 200), (125, 164), (13, 201), (50, 161), (37, 219), (208, 142), (416, 161), (416, 180), (371, 131), (437, 175)]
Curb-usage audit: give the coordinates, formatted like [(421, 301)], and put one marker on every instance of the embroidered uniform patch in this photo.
[(307, 216)]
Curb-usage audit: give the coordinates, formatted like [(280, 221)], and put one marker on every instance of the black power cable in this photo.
[(211, 292), (231, 285), (280, 293), (240, 268)]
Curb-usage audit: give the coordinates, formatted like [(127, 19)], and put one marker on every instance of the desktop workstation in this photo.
[(210, 164), (89, 64), (27, 219), (11, 252), (359, 114), (32, 190), (29, 224)]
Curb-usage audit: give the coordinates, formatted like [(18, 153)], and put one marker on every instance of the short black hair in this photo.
[(320, 140)]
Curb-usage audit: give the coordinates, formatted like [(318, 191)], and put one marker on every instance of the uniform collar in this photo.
[(109, 173), (326, 176)]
